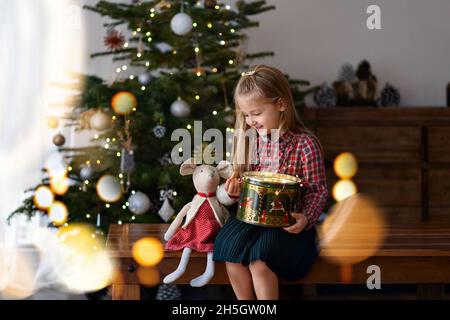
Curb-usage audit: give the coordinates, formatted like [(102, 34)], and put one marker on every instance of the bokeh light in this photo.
[(343, 189), (59, 184), (109, 188), (52, 122), (345, 165), (148, 276), (148, 252), (58, 213), (86, 265), (43, 197), (354, 231), (123, 102)]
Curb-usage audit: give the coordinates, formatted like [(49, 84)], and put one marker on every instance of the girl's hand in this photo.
[(299, 225), (233, 186)]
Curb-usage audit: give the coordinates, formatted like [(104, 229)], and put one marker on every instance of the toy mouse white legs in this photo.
[(200, 281), (181, 267)]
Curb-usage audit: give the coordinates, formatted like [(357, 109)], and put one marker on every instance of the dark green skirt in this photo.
[(289, 255)]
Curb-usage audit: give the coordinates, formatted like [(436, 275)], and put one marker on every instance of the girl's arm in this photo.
[(314, 180)]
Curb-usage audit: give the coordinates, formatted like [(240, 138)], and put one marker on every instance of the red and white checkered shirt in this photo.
[(297, 155)]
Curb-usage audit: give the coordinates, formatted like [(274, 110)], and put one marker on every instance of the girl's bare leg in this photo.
[(241, 280), (265, 281)]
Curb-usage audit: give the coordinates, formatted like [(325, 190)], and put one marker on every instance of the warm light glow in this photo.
[(148, 276), (87, 266), (59, 184), (345, 165), (148, 252), (353, 231), (53, 122), (123, 102), (43, 197), (58, 213), (343, 189)]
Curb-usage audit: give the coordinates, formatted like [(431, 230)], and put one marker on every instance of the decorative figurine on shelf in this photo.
[(204, 215), (356, 88)]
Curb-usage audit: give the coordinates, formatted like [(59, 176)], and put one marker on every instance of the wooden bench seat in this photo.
[(411, 254)]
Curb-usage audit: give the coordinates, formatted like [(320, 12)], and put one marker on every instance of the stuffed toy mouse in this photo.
[(204, 216)]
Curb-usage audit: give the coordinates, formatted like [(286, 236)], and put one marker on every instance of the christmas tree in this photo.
[(179, 64)]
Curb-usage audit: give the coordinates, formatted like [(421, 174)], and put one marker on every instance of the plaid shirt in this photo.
[(297, 155)]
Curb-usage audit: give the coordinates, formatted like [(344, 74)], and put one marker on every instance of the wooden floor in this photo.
[(416, 255)]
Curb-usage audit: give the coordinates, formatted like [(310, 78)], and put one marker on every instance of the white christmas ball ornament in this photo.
[(100, 121), (86, 173), (144, 78), (181, 24), (139, 203), (109, 189), (180, 108)]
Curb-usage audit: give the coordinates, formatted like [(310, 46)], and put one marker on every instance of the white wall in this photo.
[(313, 38)]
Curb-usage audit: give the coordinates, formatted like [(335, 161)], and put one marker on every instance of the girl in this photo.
[(255, 256)]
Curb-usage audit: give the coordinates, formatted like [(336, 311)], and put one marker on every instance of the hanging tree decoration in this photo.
[(163, 4), (139, 203), (100, 121), (159, 131), (166, 212), (199, 71), (127, 163), (180, 108), (59, 140), (114, 39), (140, 46), (181, 23)]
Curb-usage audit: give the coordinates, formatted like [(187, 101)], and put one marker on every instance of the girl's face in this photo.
[(261, 113)]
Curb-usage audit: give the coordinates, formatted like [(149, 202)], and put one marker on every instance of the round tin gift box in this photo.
[(268, 199)]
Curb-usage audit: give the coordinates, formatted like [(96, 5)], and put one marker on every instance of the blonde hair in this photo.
[(269, 83)]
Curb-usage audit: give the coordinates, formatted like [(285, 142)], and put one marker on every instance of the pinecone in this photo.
[(347, 73), (390, 96), (364, 70), (325, 96), (168, 292)]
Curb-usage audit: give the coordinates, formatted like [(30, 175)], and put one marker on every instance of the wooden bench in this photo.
[(412, 254)]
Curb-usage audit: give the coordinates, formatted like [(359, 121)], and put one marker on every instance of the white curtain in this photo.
[(41, 45)]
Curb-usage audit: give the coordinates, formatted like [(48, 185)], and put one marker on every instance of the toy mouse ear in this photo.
[(225, 169), (187, 167)]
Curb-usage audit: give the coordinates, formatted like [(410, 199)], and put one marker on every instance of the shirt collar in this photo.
[(284, 137)]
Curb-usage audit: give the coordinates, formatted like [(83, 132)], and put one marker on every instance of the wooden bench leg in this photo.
[(126, 292), (430, 291)]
